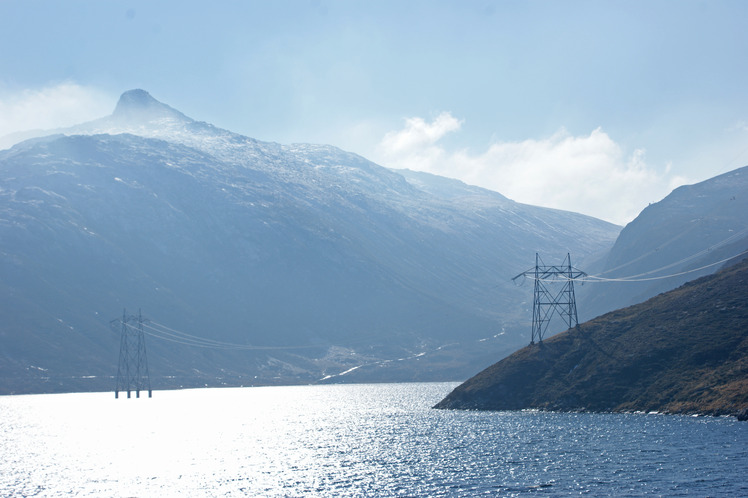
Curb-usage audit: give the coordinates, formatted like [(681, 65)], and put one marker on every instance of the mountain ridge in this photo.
[(672, 241), (330, 266)]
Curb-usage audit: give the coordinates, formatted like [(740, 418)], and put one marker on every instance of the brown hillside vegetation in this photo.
[(684, 351)]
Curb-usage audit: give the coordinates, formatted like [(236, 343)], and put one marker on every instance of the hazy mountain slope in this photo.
[(694, 226), (685, 351), (318, 259)]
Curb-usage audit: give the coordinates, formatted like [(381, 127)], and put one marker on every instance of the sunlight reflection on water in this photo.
[(351, 440)]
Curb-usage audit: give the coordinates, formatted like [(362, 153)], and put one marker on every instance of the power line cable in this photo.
[(670, 241), (593, 278), (205, 341), (176, 336), (684, 260)]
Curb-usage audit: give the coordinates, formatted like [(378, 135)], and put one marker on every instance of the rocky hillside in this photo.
[(685, 351)]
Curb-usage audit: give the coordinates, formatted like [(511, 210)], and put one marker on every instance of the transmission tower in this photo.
[(545, 304), (132, 370)]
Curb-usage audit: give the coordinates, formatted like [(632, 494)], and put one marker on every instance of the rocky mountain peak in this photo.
[(139, 105)]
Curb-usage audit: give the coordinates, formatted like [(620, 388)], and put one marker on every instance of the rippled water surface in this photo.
[(352, 440)]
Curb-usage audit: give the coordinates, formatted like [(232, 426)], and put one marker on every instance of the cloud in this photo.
[(589, 174), (55, 106), (418, 134)]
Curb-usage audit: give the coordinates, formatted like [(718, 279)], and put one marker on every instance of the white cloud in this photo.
[(419, 134), (55, 106), (589, 174)]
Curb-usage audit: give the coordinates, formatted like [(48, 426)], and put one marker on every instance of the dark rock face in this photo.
[(685, 351)]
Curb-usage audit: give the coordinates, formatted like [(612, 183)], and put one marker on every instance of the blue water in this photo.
[(352, 440)]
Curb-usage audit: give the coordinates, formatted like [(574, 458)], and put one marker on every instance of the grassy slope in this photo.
[(684, 351)]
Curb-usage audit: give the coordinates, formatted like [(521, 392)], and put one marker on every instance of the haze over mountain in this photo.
[(671, 242), (289, 263)]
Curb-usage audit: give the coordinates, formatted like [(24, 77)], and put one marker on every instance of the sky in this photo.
[(599, 107)]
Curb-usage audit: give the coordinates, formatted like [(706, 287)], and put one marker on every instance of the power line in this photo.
[(165, 333), (545, 304), (593, 278), (634, 278), (721, 243)]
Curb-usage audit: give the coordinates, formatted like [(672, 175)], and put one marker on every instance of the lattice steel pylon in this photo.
[(545, 304), (132, 370)]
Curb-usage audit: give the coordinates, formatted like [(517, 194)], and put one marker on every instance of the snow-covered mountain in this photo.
[(256, 262)]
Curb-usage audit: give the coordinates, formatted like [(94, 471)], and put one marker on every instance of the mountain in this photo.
[(684, 236), (255, 262), (685, 351)]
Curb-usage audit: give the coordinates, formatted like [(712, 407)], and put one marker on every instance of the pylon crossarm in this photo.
[(557, 274)]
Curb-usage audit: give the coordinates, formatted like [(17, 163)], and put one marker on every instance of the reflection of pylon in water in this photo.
[(132, 370), (544, 303)]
